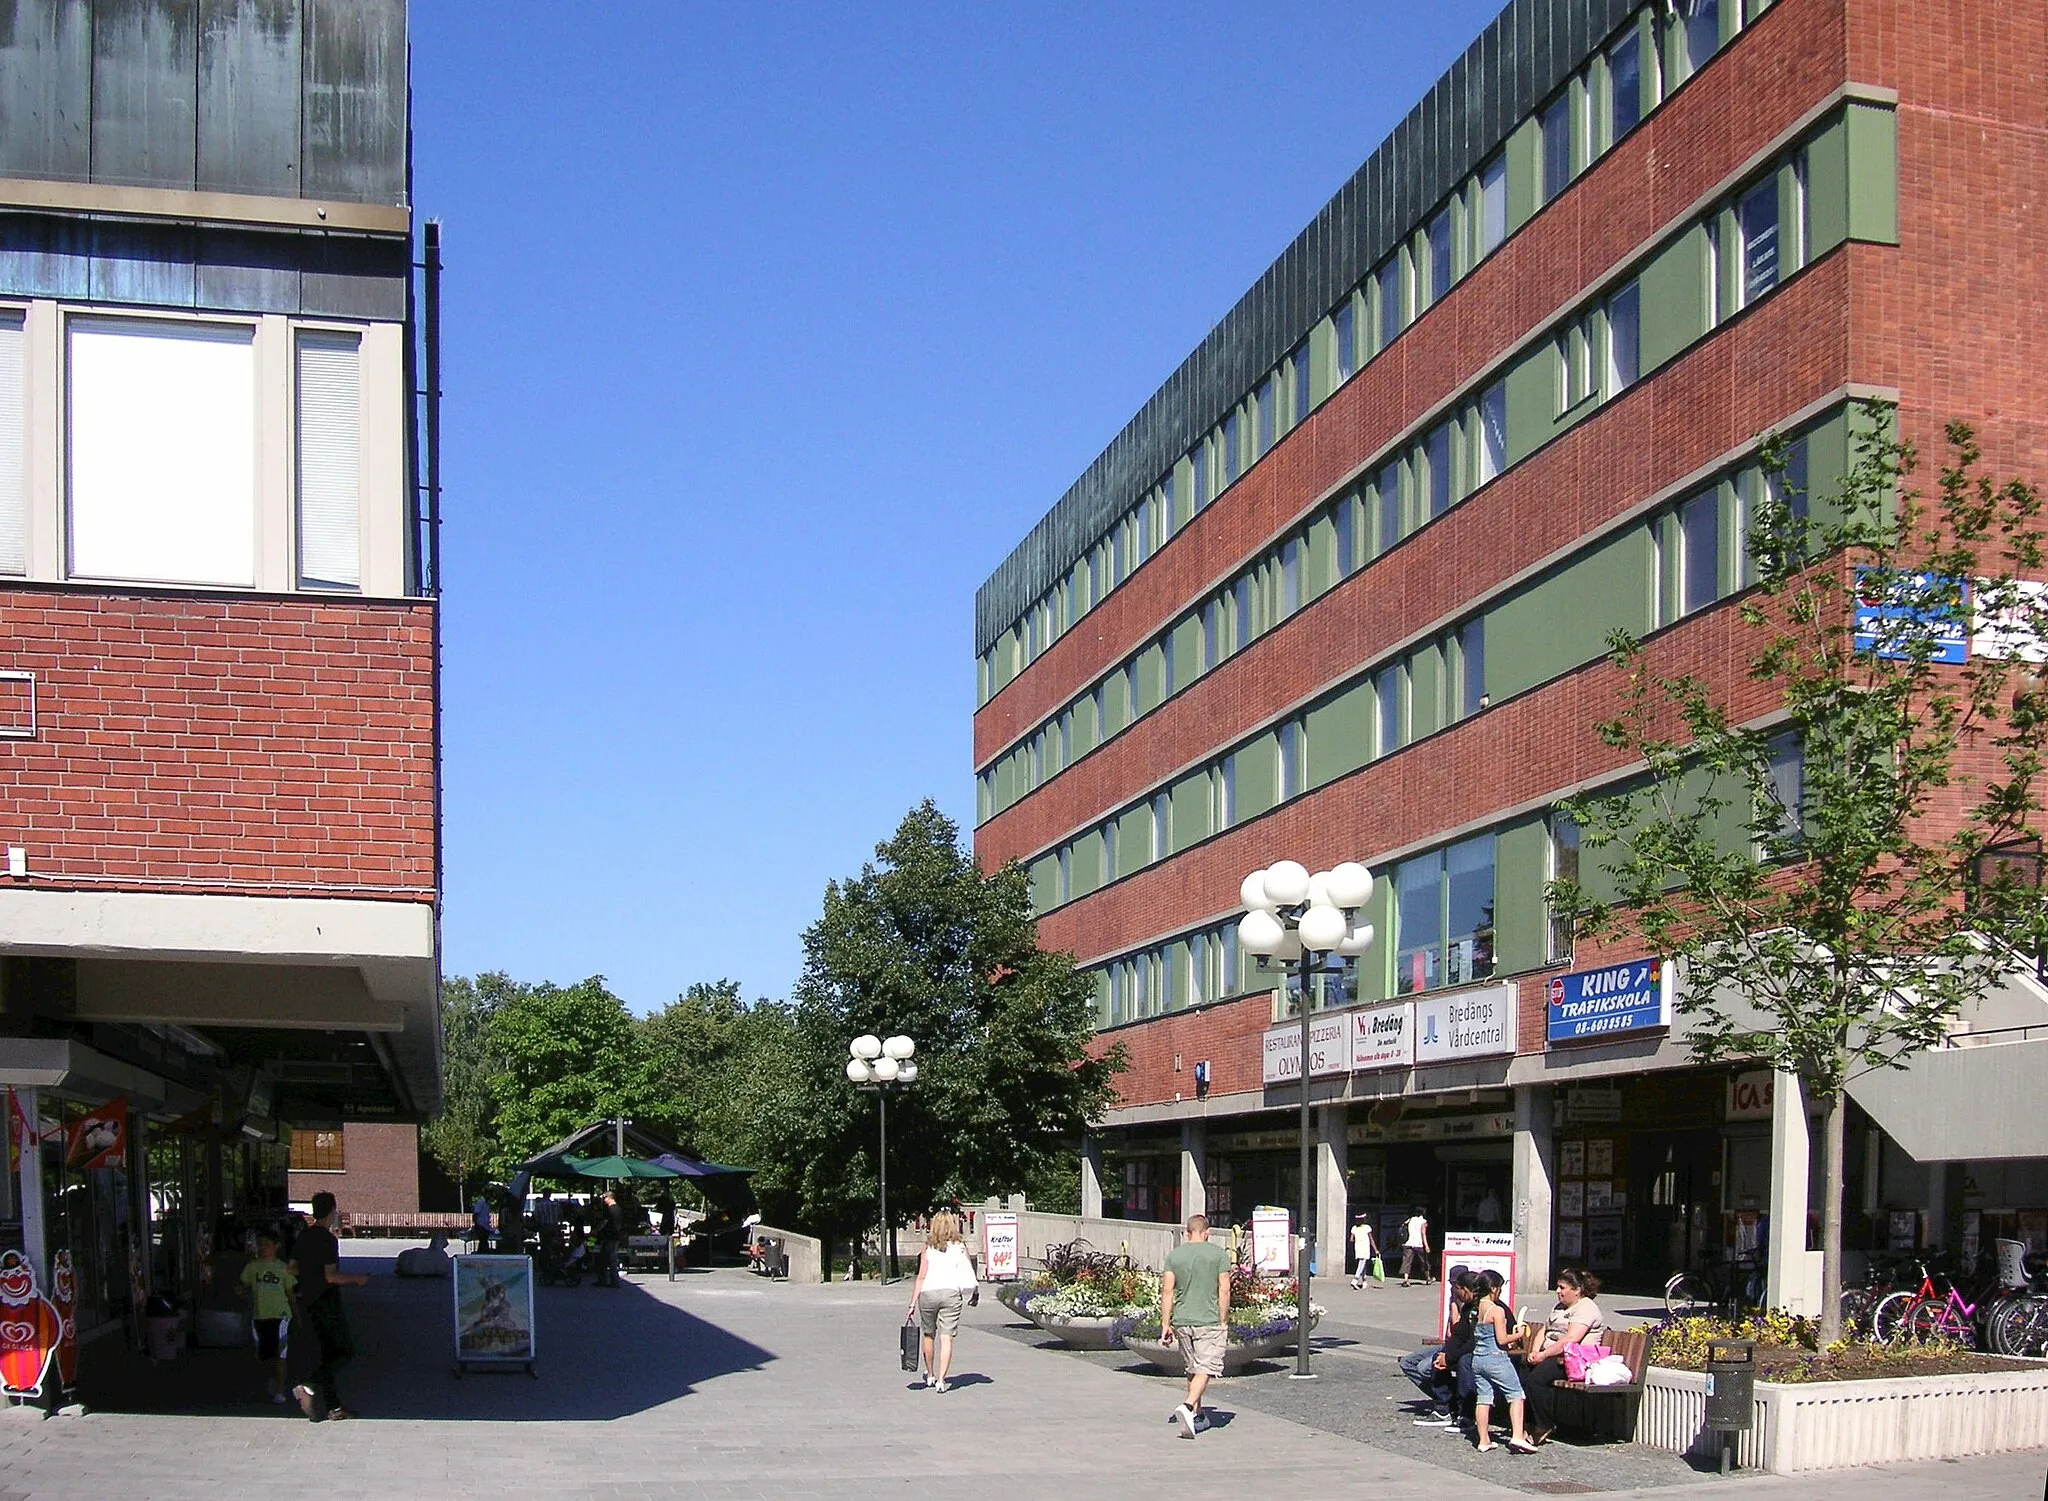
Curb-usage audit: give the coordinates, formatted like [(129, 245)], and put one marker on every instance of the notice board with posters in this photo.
[(999, 1246), (493, 1311), (1477, 1252)]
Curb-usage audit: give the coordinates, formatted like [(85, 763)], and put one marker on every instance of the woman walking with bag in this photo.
[(945, 1279)]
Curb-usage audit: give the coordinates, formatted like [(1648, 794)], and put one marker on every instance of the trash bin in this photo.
[(1731, 1391)]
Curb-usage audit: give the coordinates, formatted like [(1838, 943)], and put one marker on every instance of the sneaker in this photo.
[(1186, 1416), (926, 1380), (942, 1386), (1201, 1422), (1435, 1420)]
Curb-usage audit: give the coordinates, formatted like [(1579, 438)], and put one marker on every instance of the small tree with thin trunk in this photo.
[(1824, 862)]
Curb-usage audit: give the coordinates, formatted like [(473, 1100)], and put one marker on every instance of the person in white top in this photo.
[(1363, 1250), (1415, 1252), (945, 1277)]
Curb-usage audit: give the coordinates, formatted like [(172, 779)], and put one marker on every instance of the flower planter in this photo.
[(1078, 1331), (1834, 1425), (1238, 1354)]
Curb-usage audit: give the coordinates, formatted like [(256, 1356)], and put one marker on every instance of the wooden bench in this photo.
[(1582, 1406), (357, 1222)]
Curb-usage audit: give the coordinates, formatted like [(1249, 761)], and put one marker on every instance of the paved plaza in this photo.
[(721, 1385)]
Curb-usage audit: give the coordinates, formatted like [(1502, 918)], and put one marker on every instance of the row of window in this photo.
[(161, 443), (1657, 49), (1595, 353), (1439, 925), (1683, 557)]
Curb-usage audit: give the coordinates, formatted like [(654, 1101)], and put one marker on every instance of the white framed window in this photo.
[(1493, 205), (161, 451), (13, 494), (1493, 431), (1624, 339), (1756, 223)]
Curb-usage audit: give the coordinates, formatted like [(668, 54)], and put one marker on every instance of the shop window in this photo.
[(317, 1152)]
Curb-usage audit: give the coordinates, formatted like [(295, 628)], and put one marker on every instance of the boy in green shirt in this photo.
[(1194, 1312), (270, 1282)]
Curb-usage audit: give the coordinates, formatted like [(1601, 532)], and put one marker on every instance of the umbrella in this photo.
[(614, 1166)]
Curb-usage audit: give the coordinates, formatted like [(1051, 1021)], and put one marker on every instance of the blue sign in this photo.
[(1597, 1003), (1918, 608)]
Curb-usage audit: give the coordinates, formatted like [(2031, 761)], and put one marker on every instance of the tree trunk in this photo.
[(1831, 1218)]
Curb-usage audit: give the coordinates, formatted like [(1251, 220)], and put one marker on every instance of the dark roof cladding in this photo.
[(283, 98), (1526, 52)]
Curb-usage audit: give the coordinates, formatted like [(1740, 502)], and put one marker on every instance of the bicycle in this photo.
[(1925, 1313), (1689, 1295)]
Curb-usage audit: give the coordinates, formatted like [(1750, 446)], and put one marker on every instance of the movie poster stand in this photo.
[(493, 1307)]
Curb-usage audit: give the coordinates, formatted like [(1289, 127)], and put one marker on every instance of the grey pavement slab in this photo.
[(720, 1385)]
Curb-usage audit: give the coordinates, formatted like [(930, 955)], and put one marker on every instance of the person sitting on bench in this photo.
[(1577, 1319)]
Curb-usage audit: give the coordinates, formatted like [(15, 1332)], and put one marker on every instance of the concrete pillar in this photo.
[(1793, 1278), (1937, 1206), (1194, 1158), (1091, 1179), (1535, 1172), (29, 1184), (1333, 1196)]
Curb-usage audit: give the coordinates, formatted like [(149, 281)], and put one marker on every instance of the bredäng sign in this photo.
[(1383, 1038)]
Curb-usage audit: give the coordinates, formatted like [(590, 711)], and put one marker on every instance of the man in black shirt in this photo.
[(1435, 1369), (316, 1259)]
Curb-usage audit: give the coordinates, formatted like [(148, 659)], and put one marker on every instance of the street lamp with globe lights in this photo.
[(881, 1066), (1301, 920)]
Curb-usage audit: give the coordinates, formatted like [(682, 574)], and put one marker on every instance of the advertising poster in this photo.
[(1479, 1252), (493, 1310), (1383, 1038), (1599, 1196), (1600, 1157), (1571, 1240), (999, 1247), (1571, 1159), (1603, 1243), (1269, 1242), (1571, 1201)]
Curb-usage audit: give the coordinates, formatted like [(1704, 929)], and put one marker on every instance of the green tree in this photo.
[(1829, 923), (924, 943), (571, 1055), (463, 1137)]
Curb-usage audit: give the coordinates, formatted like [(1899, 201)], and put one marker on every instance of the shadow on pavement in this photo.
[(601, 1354)]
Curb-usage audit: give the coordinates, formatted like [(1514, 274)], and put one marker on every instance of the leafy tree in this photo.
[(463, 1137), (571, 1055), (924, 943), (1830, 924)]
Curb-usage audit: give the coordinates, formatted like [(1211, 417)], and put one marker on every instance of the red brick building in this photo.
[(369, 1167), (1340, 591), (219, 694)]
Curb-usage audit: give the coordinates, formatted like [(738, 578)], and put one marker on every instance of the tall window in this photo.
[(1556, 126), (1269, 412), (1443, 917), (1346, 325), (1300, 366), (1701, 20), (1756, 220), (1162, 825), (1624, 339), (1699, 552), (1564, 866), (1387, 502), (318, 1152), (1625, 83), (1419, 923), (162, 451), (1241, 611), (1468, 910), (1493, 431), (1472, 666), (1212, 634), (1200, 460), (13, 510), (1345, 524), (1440, 255), (1291, 760), (1787, 788), (1437, 451), (1387, 710), (1230, 452), (1493, 205), (1223, 794), (1290, 577), (1389, 285)]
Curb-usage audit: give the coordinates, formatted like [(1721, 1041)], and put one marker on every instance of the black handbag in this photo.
[(910, 1337)]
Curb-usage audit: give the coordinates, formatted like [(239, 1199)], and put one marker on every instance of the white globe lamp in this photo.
[(899, 1048), (857, 1071), (1253, 893), (867, 1045), (1349, 886), (1260, 933), (1322, 928), (1287, 882)]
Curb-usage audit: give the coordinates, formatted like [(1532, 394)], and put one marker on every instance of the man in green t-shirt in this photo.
[(1194, 1312)]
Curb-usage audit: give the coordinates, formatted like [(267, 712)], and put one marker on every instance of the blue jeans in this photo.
[(1438, 1386), (1493, 1375)]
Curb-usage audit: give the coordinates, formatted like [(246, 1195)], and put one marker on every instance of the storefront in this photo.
[(1443, 1156)]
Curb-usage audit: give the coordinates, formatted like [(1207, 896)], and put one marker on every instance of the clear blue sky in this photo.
[(769, 330)]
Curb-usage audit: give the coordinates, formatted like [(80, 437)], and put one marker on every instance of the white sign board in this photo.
[(1383, 1037), (1751, 1095), (1270, 1248), (1465, 1024), (1476, 1252), (999, 1247), (2009, 632), (1329, 1041)]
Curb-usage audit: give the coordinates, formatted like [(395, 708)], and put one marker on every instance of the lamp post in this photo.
[(1302, 919), (881, 1066)]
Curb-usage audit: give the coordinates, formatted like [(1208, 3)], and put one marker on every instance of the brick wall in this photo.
[(381, 1173), (199, 743)]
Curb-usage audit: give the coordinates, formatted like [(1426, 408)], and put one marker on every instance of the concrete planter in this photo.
[(1835, 1425), (1078, 1332), (1236, 1355)]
